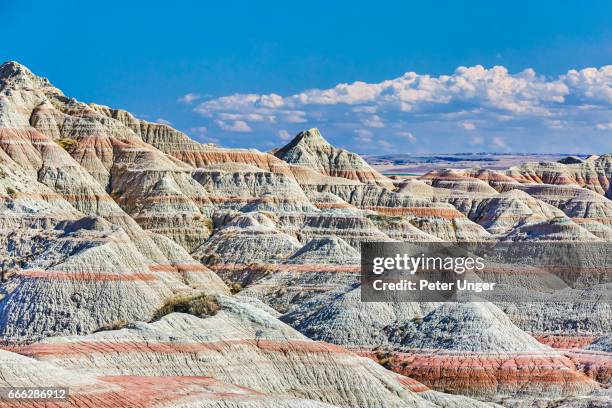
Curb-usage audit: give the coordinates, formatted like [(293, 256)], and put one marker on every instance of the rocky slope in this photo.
[(309, 149), (142, 268)]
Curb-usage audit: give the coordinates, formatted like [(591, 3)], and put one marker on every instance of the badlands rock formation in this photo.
[(309, 149), (141, 268)]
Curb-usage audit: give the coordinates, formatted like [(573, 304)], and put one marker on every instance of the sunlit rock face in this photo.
[(241, 337), (592, 174), (143, 268), (310, 149)]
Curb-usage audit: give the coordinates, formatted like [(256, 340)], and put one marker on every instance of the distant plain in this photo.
[(417, 164)]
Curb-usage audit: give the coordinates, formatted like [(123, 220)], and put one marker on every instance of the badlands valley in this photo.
[(141, 268)]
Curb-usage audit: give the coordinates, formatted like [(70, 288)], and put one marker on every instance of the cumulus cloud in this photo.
[(591, 84), (235, 126), (495, 88), (471, 104)]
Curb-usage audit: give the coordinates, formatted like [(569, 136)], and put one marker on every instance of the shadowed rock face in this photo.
[(106, 220)]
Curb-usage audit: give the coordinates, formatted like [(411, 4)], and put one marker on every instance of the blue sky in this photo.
[(258, 72)]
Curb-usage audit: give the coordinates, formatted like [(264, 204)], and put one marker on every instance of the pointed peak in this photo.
[(311, 135), (18, 76), (312, 132), (13, 67), (571, 160)]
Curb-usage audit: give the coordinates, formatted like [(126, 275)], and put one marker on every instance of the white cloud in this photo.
[(284, 135), (236, 126), (241, 103), (555, 123), (384, 144), (271, 101), (482, 101), (190, 97), (199, 130), (294, 116), (373, 121), (363, 136), (365, 109), (493, 90), (200, 134), (163, 121), (407, 135), (604, 126), (499, 142), (591, 84), (207, 139), (251, 117), (467, 125)]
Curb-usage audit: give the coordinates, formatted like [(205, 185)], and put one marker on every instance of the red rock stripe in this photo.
[(446, 213), (85, 276), (299, 288), (294, 268), (145, 392), (333, 205), (596, 365), (474, 374), (564, 342), (411, 384), (20, 135), (449, 177), (274, 199), (174, 198), (99, 347), (178, 268)]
